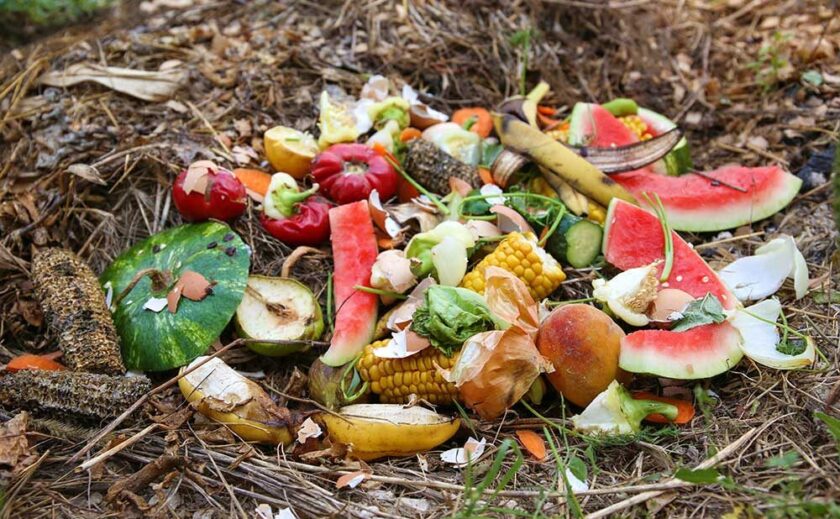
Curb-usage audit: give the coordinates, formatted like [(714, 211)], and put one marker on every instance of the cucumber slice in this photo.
[(576, 242), (278, 309)]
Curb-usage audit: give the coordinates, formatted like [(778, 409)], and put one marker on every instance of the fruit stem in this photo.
[(161, 279)]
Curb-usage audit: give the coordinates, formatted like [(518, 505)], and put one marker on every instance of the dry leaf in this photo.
[(532, 442), (89, 173), (146, 85), (14, 446)]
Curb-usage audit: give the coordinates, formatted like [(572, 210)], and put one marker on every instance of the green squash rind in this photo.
[(157, 341)]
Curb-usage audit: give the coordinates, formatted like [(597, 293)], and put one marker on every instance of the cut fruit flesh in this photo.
[(278, 309), (633, 238), (732, 195), (701, 352)]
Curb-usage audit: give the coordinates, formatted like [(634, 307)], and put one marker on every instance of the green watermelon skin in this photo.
[(633, 238), (157, 341), (697, 204), (701, 352)]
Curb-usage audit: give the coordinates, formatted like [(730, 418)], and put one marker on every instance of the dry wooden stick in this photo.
[(117, 448), (675, 483)]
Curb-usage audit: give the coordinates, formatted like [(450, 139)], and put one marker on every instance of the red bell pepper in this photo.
[(349, 172), (205, 191), (292, 216)]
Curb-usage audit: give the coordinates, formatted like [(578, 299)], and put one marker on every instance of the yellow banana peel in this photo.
[(559, 160), (220, 393), (374, 431)]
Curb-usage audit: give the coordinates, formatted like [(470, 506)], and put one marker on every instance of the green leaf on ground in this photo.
[(701, 476)]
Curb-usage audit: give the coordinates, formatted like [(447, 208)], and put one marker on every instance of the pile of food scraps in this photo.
[(449, 236)]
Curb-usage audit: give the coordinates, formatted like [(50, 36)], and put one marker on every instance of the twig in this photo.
[(675, 483), (718, 181), (117, 448), (136, 405)]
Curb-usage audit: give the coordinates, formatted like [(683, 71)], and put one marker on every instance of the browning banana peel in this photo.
[(559, 160)]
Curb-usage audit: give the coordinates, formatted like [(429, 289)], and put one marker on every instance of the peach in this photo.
[(583, 344)]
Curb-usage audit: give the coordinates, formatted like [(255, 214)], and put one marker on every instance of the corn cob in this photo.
[(395, 380), (432, 167), (519, 253), (84, 396), (75, 310), (637, 125)]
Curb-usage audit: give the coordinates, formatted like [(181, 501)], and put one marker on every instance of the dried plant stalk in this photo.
[(75, 309), (73, 394)]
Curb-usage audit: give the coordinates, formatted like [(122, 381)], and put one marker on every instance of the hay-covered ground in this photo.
[(751, 82)]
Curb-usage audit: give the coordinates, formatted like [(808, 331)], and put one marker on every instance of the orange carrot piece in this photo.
[(483, 124), (532, 442), (685, 409), (409, 134), (547, 123), (486, 176), (546, 110), (382, 150), (29, 361), (254, 179)]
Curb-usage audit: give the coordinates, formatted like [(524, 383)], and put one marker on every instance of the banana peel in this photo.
[(574, 201), (558, 160), (220, 393), (373, 431)]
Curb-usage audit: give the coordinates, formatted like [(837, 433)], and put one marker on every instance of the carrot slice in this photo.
[(29, 361), (685, 409), (254, 179), (549, 111), (409, 134), (483, 124), (486, 176), (532, 442)]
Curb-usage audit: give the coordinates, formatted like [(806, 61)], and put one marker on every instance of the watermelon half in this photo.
[(701, 352), (633, 238), (157, 339), (717, 200)]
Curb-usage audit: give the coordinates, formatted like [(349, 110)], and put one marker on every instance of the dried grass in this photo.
[(264, 63)]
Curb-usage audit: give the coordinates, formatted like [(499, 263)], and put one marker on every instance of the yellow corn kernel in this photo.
[(637, 125), (395, 380), (540, 272), (596, 213)]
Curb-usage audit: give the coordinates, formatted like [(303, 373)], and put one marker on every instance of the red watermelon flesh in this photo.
[(354, 250), (699, 204), (594, 126), (633, 238), (701, 352)]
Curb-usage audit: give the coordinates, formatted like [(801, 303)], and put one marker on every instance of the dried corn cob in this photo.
[(637, 125), (432, 167), (84, 396), (74, 306), (519, 253), (395, 380)]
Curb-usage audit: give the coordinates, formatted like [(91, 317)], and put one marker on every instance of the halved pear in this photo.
[(377, 430), (278, 309)]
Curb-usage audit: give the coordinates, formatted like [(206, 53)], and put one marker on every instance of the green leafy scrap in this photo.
[(700, 312)]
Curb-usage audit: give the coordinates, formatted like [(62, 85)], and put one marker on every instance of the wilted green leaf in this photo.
[(833, 425), (702, 476), (699, 312), (783, 461), (578, 468)]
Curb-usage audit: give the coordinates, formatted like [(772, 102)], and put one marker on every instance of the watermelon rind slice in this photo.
[(733, 195), (701, 352)]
